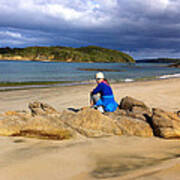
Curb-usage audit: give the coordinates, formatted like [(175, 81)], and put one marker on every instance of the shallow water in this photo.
[(23, 71)]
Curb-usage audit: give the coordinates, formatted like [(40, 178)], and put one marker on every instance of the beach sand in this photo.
[(85, 159)]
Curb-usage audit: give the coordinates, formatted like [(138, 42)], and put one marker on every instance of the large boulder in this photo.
[(134, 127), (91, 123), (37, 127), (46, 128), (122, 112), (166, 124), (136, 109), (131, 104), (42, 126), (131, 124)]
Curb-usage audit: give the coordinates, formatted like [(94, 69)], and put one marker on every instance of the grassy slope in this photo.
[(83, 54)]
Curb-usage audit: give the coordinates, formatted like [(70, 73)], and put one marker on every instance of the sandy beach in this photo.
[(164, 94), (85, 158)]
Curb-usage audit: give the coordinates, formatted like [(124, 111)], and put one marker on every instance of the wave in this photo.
[(128, 80), (170, 76)]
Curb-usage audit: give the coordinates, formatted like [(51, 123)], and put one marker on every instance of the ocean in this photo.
[(72, 73)]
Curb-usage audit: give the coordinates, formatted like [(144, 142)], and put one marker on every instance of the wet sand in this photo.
[(85, 159)]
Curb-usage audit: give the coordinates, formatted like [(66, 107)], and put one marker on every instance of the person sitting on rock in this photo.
[(102, 97)]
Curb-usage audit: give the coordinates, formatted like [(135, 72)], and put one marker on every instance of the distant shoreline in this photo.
[(174, 62), (58, 61)]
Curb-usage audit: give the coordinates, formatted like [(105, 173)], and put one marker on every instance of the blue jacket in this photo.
[(107, 97)]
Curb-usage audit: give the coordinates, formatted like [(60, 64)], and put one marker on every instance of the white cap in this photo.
[(99, 75)]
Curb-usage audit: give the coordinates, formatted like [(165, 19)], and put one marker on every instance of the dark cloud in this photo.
[(143, 28)]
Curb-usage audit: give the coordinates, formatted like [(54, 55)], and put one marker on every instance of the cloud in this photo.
[(10, 34), (74, 13), (154, 53), (126, 25)]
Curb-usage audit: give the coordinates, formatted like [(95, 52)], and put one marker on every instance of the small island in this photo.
[(65, 54), (175, 65), (174, 62), (159, 60)]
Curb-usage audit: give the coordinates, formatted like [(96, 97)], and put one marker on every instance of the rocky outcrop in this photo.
[(121, 112), (166, 124), (44, 121), (134, 127), (131, 124), (37, 127), (42, 126), (133, 118), (91, 123)]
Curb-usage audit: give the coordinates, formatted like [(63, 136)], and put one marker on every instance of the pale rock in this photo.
[(166, 124), (91, 123), (44, 127)]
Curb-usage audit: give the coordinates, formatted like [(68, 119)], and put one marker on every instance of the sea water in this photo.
[(30, 71)]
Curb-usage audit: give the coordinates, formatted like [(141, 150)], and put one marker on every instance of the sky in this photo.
[(141, 28)]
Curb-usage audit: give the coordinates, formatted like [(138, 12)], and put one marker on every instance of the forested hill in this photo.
[(67, 54)]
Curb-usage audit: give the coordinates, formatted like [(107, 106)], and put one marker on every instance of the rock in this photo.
[(117, 113), (134, 127), (175, 65), (131, 124), (137, 116), (128, 103), (166, 124), (122, 112), (11, 124), (15, 113), (45, 122), (135, 108), (91, 123), (132, 118), (38, 108), (44, 127), (141, 110), (178, 113)]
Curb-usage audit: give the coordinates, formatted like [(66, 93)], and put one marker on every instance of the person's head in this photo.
[(99, 77)]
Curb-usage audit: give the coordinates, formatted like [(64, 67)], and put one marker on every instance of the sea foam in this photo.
[(170, 76), (128, 80)]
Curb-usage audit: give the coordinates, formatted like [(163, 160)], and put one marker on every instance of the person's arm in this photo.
[(97, 89)]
